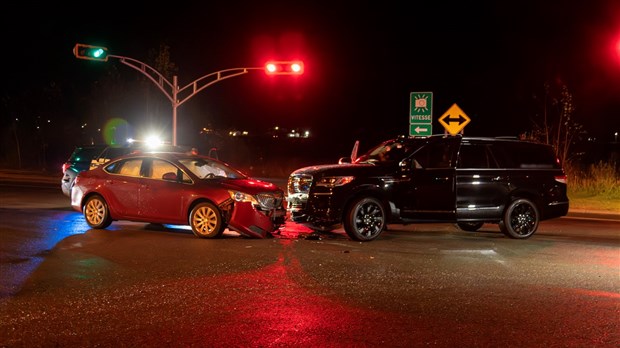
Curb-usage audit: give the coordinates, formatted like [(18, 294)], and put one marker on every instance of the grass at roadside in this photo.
[(595, 188), (582, 202)]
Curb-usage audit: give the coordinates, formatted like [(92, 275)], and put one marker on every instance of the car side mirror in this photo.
[(406, 164), (170, 176)]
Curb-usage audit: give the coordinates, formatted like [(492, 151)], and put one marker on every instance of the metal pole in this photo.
[(175, 103), (196, 86)]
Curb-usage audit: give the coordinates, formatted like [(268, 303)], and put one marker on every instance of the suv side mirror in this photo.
[(406, 164)]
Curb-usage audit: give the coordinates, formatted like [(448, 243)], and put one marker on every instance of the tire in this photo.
[(365, 219), (470, 226), (206, 221), (520, 219), (97, 213)]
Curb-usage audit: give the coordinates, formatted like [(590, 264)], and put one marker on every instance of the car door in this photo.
[(163, 200), (122, 188), (430, 193), (481, 186)]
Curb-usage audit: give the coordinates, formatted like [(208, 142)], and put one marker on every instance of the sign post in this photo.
[(421, 114)]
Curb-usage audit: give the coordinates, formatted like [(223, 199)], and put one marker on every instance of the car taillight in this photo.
[(561, 179), (65, 166)]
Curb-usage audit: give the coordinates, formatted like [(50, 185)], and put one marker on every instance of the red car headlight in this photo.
[(266, 200)]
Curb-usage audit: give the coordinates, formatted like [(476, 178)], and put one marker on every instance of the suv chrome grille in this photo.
[(299, 183)]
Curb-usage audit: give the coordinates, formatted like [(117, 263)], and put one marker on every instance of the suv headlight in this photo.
[(333, 181), (299, 183)]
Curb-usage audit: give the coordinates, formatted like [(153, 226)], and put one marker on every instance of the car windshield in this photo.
[(207, 168)]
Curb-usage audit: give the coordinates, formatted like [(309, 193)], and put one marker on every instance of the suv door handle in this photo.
[(499, 178)]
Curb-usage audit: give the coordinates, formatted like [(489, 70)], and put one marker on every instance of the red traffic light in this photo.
[(288, 67)]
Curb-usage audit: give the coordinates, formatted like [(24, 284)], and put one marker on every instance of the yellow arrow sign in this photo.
[(454, 120)]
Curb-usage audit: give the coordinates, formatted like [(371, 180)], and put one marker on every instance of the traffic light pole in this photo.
[(172, 90)]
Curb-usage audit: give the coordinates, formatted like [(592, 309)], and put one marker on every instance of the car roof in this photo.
[(470, 138), (169, 155)]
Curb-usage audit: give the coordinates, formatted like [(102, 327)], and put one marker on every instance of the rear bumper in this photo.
[(555, 210)]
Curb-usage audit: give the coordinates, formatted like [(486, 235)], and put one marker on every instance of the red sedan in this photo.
[(181, 189)]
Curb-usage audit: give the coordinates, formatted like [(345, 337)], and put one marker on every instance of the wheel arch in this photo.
[(224, 207), (87, 196), (529, 195), (367, 191)]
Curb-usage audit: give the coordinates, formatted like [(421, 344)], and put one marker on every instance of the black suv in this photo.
[(79, 160), (464, 180)]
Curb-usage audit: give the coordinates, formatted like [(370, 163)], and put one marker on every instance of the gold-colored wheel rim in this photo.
[(95, 211), (205, 220)]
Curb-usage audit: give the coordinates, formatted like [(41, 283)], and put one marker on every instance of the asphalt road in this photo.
[(133, 284)]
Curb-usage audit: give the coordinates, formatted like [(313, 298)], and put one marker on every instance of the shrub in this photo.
[(601, 179)]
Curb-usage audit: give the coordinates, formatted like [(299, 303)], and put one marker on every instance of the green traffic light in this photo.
[(82, 51), (98, 52)]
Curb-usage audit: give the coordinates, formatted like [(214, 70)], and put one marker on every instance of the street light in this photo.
[(176, 95)]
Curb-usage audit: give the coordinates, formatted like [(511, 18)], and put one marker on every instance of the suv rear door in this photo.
[(481, 186)]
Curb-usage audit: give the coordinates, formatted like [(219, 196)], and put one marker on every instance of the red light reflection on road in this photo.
[(269, 307)]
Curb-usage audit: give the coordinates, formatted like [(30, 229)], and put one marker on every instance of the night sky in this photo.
[(362, 61)]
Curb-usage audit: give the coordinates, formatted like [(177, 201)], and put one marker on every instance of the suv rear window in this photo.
[(476, 156), (524, 155), (84, 154)]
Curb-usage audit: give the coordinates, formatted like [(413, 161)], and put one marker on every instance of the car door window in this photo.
[(160, 167), (438, 155), (130, 167)]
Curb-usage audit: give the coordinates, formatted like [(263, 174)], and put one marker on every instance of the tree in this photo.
[(159, 59), (556, 126)]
